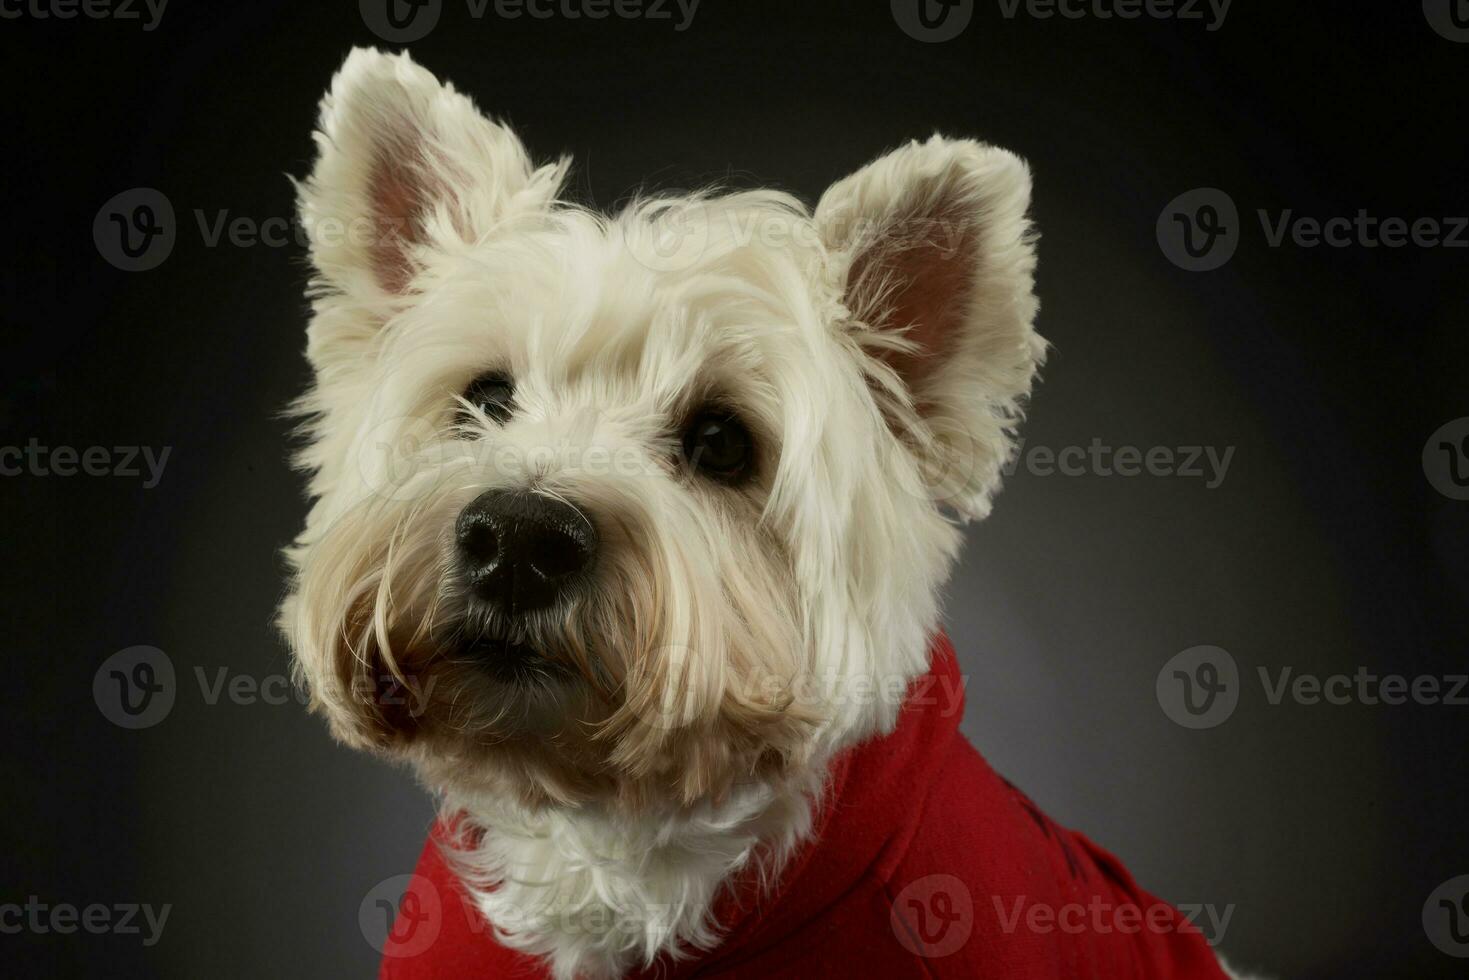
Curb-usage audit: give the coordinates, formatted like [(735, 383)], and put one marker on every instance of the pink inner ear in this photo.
[(923, 275), (395, 201)]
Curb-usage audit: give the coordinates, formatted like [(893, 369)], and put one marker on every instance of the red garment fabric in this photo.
[(925, 864)]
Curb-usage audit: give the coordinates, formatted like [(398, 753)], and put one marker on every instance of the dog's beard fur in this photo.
[(668, 678), (677, 718)]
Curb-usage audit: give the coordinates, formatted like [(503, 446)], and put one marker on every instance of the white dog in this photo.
[(628, 534)]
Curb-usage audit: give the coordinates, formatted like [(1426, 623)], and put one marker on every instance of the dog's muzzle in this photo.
[(522, 551)]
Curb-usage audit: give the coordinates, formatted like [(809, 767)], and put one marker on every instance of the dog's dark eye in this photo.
[(718, 445), (492, 394)]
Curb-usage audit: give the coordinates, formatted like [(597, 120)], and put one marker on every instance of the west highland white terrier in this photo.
[(628, 534)]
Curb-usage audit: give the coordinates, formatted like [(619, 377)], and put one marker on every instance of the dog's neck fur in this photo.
[(599, 894)]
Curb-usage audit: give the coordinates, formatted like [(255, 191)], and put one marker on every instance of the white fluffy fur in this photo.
[(781, 621)]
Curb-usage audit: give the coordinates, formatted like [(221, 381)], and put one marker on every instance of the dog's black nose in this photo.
[(522, 551)]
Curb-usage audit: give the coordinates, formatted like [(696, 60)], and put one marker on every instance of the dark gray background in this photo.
[(1326, 549)]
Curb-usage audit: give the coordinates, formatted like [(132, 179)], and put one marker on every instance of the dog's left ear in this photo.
[(406, 166), (936, 261)]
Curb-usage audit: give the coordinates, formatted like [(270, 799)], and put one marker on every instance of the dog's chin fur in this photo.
[(675, 724)]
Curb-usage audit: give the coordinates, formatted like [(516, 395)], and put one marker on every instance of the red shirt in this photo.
[(924, 864)]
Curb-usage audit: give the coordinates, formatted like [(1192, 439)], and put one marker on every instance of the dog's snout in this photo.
[(522, 551)]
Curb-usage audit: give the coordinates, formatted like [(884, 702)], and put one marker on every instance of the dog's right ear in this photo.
[(407, 166)]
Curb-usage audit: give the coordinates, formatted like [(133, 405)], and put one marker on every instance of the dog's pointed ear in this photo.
[(935, 257), (406, 163)]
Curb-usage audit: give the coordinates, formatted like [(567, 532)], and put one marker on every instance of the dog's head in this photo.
[(639, 507)]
